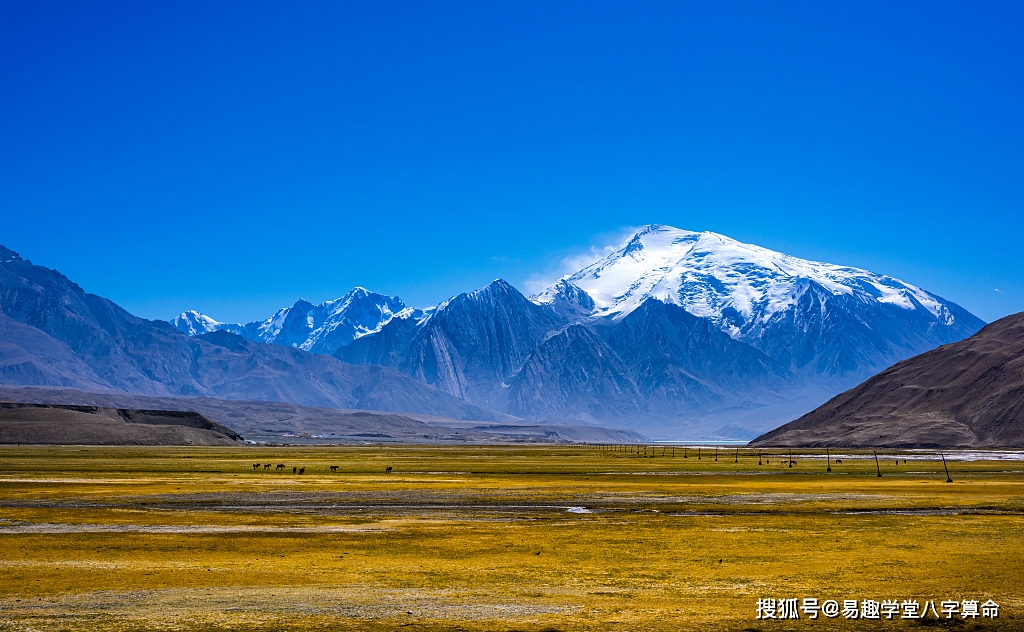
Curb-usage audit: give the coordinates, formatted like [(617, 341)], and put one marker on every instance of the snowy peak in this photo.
[(708, 274), (192, 323), (336, 323), (322, 328), (497, 292), (567, 300), (828, 320)]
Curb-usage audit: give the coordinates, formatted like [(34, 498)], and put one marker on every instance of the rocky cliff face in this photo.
[(473, 343)]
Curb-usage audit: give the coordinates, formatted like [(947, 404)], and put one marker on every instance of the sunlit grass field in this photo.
[(494, 538)]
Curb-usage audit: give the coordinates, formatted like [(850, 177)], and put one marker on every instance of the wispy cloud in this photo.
[(998, 290), (604, 244)]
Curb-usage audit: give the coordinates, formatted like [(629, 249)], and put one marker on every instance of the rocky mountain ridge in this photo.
[(56, 334), (319, 328)]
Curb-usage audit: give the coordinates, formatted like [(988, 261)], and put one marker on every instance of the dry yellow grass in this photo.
[(490, 538)]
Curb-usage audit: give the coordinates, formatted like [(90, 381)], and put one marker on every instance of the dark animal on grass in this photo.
[(255, 466), (302, 470), (839, 460), (388, 470), (294, 470), (334, 468), (266, 466), (280, 466)]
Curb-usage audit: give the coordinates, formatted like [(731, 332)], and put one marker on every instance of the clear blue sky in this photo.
[(232, 157)]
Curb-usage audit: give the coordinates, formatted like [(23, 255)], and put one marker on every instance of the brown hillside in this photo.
[(91, 425), (966, 394)]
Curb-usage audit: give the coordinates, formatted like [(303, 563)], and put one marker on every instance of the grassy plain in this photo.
[(491, 538)]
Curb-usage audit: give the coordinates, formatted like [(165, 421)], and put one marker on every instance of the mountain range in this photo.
[(53, 333), (319, 328), (676, 334), (680, 333)]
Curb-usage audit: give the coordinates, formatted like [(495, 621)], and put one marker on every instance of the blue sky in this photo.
[(235, 157)]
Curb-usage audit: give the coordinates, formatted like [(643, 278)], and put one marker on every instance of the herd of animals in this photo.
[(334, 468), (299, 470)]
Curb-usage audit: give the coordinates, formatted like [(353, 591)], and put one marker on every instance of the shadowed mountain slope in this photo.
[(966, 394), (56, 334), (495, 348)]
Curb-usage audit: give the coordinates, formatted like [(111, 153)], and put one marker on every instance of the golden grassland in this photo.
[(492, 538)]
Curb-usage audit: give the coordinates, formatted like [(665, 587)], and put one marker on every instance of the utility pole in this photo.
[(828, 461), (948, 479), (876, 464)]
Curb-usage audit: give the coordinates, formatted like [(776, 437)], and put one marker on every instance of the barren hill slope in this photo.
[(968, 394), (93, 425)]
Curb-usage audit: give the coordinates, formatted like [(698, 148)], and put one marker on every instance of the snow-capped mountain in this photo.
[(677, 333), (828, 319), (319, 328), (193, 323)]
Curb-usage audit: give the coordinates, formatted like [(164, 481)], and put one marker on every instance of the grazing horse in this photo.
[(266, 466), (280, 466), (302, 470), (388, 470), (839, 460), (294, 470), (255, 466), (334, 468)]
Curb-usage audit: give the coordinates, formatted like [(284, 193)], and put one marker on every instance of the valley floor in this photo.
[(495, 538)]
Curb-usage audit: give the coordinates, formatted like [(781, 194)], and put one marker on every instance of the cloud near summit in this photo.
[(575, 260)]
